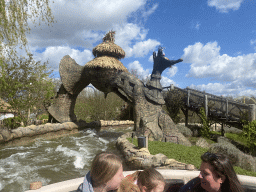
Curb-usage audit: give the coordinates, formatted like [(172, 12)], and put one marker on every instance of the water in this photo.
[(51, 161)]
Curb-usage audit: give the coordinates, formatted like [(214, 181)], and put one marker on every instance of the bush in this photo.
[(126, 112), (249, 132), (12, 122), (205, 129), (93, 106), (174, 102), (43, 116)]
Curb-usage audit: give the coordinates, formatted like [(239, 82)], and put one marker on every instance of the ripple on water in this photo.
[(51, 161)]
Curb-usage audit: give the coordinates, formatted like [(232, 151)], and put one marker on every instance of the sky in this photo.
[(215, 38)]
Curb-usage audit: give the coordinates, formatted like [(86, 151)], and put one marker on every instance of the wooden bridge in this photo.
[(218, 109)]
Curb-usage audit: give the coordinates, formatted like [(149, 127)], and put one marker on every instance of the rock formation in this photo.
[(106, 73)]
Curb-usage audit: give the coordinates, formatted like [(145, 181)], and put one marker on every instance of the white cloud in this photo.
[(138, 69), (55, 54), (197, 25), (142, 48), (206, 62), (166, 82), (253, 42), (172, 71), (224, 89), (150, 59), (150, 11), (199, 54), (75, 19), (224, 5), (83, 24), (133, 34)]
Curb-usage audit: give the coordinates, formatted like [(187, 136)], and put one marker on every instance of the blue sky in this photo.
[(215, 38)]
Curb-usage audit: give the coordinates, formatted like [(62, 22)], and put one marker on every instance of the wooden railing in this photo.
[(216, 107)]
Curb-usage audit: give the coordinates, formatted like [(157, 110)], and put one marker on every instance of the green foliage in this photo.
[(43, 116), (25, 85), (174, 102), (238, 138), (126, 112), (14, 26), (12, 122), (205, 129), (249, 132), (215, 132), (93, 106)]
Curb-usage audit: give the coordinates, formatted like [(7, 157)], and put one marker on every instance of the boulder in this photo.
[(202, 143), (159, 159), (184, 130), (232, 130), (6, 134), (237, 157)]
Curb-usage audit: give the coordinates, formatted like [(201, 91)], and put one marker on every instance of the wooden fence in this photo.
[(216, 107)]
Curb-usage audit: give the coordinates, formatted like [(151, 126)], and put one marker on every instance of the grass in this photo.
[(184, 154), (237, 138)]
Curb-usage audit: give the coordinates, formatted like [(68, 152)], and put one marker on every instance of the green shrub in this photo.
[(174, 102), (43, 116), (205, 129), (12, 122), (249, 132)]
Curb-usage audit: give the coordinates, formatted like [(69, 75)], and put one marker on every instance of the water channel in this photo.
[(53, 160)]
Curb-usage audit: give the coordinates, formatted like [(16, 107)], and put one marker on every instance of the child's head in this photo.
[(106, 170), (150, 180)]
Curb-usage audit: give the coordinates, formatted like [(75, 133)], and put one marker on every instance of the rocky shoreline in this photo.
[(22, 135), (140, 158)]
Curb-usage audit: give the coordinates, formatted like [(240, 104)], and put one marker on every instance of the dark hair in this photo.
[(149, 178), (223, 167), (104, 167)]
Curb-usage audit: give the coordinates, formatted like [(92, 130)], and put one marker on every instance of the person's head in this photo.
[(106, 171), (217, 173), (150, 180)]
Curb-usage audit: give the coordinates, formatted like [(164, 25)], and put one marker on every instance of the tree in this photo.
[(19, 89), (139, 76), (91, 105), (14, 16), (26, 85)]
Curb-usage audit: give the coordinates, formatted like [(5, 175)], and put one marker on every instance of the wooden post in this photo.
[(222, 129), (186, 117), (188, 98), (226, 109), (206, 105), (147, 142), (252, 109)]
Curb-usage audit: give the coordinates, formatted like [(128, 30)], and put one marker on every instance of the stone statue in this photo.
[(106, 73)]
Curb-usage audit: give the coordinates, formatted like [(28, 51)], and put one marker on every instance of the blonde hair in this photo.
[(104, 167), (149, 178)]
